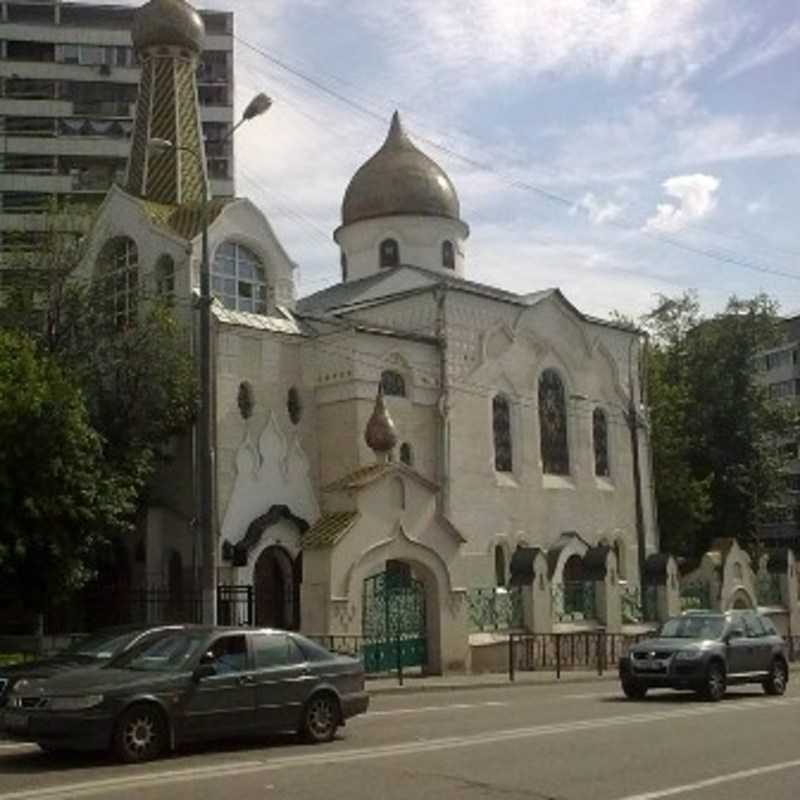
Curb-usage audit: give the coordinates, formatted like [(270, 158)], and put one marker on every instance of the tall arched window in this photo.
[(165, 278), (553, 424), (238, 279), (499, 565), (393, 383), (407, 454), (600, 438), (389, 253), (119, 275), (343, 263), (501, 428), (448, 255)]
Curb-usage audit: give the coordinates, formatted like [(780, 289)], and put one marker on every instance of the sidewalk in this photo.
[(415, 683)]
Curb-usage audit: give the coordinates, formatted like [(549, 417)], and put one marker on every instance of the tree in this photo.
[(58, 498), (713, 427)]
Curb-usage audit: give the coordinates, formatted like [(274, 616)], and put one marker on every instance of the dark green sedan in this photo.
[(199, 683)]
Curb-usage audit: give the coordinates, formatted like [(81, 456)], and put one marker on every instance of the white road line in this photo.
[(717, 781), (335, 756), (426, 710)]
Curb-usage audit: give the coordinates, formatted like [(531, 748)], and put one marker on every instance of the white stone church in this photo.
[(500, 445)]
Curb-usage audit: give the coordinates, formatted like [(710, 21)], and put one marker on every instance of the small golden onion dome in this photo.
[(168, 23), (381, 434)]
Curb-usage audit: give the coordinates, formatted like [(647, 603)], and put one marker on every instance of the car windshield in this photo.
[(102, 645), (171, 652), (693, 627)]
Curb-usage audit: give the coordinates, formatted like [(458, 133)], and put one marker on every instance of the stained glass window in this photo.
[(501, 423), (119, 272), (448, 255), (600, 437), (553, 424), (390, 253), (393, 383)]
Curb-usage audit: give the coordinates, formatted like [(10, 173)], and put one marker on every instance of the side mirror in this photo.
[(203, 671), (734, 633)]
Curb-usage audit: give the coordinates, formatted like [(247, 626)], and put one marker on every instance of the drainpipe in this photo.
[(444, 402)]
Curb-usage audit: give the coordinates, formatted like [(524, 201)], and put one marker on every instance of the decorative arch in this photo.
[(389, 253), (117, 272), (448, 254), (553, 433)]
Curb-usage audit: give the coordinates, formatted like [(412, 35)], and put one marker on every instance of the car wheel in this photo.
[(140, 734), (321, 718), (715, 685), (778, 678), (634, 690)]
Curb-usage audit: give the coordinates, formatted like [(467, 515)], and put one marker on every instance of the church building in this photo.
[(407, 457)]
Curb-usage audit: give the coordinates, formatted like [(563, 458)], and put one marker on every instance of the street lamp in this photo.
[(205, 452)]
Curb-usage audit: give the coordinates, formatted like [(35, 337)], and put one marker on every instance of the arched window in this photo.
[(407, 454), (165, 278), (343, 263), (448, 255), (238, 279), (119, 275), (553, 424), (600, 438), (501, 427), (499, 565), (389, 253), (294, 405), (393, 383), (398, 493)]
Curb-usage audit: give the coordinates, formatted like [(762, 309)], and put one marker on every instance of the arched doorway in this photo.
[(274, 578)]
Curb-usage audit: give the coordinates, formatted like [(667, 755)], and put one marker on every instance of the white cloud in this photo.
[(777, 45), (597, 211), (696, 195)]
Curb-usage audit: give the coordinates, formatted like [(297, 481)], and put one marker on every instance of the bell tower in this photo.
[(168, 36)]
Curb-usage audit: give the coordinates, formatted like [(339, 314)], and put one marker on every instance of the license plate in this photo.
[(649, 666), (15, 721)]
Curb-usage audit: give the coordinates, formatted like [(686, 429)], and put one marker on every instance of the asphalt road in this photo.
[(573, 741)]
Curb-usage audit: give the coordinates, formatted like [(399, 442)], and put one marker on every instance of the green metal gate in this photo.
[(394, 622)]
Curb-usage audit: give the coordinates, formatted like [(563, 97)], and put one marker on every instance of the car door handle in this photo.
[(247, 680)]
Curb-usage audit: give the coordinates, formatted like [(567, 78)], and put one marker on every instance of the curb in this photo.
[(412, 687)]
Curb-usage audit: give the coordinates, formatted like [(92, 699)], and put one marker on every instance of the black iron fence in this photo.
[(235, 605), (590, 650)]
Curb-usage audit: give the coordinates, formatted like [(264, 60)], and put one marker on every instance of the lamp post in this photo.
[(204, 453)]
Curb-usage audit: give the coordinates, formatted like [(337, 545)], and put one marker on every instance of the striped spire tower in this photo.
[(168, 36)]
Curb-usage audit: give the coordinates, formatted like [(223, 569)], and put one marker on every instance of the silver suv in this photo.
[(707, 651)]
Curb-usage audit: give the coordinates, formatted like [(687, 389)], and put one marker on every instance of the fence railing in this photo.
[(769, 590), (494, 609), (573, 601), (695, 595), (595, 650)]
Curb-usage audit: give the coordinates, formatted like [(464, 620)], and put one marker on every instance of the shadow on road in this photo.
[(671, 697)]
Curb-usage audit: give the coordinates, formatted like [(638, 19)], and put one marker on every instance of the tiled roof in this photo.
[(283, 324), (185, 221), (358, 478), (328, 530)]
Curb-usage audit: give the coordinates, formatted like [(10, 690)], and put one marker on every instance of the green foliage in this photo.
[(713, 428), (58, 498)]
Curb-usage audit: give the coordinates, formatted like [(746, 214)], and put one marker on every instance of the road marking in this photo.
[(718, 781), (336, 756), (588, 695), (427, 710)]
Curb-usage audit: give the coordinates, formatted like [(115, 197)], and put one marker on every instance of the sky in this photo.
[(617, 149)]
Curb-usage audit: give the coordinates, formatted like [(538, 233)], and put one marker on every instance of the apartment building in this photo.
[(779, 369), (68, 84)]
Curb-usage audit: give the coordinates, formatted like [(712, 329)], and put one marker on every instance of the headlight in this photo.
[(688, 655), (75, 703)]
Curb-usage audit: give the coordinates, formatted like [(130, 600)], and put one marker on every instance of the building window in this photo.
[(343, 263), (389, 253), (238, 279), (119, 275), (501, 426), (553, 424), (448, 255), (499, 565), (294, 407), (406, 454), (600, 438), (165, 279), (393, 383)]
